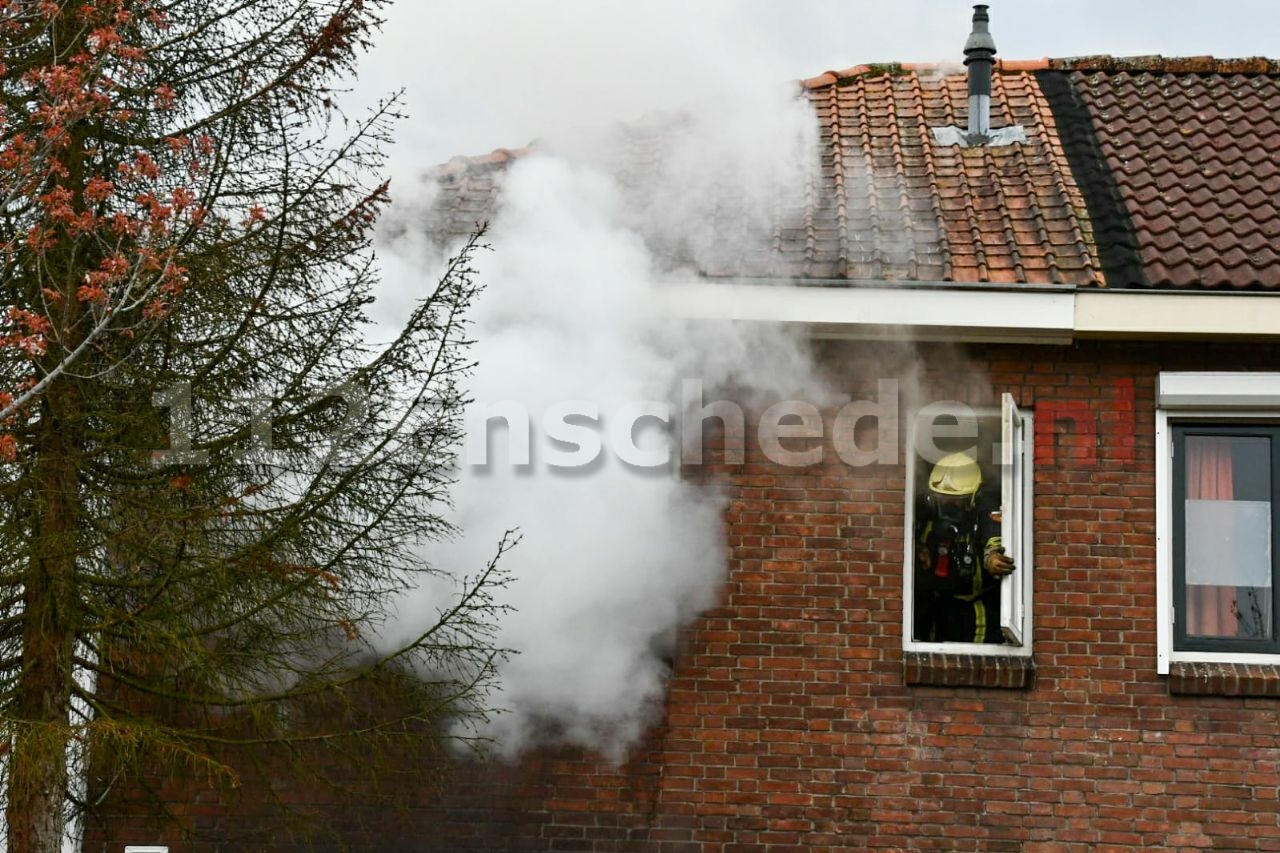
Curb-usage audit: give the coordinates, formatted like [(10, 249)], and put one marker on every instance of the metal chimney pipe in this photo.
[(979, 57)]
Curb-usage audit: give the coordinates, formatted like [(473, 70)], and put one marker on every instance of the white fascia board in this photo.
[(1165, 314), (1217, 390), (946, 311), (933, 313)]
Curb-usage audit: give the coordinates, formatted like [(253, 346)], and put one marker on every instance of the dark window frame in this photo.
[(1225, 429)]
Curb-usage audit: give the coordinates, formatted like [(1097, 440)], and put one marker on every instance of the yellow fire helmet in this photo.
[(955, 474)]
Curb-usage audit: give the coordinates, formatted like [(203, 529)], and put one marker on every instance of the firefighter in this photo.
[(960, 559)]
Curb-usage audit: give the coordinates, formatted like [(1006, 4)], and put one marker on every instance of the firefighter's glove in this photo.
[(997, 563)]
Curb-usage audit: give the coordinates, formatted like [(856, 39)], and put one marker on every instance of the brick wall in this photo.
[(789, 725)]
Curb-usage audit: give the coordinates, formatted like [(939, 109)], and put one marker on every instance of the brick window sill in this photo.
[(1224, 679), (967, 670)]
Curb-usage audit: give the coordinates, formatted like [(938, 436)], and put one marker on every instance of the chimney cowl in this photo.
[(980, 46)]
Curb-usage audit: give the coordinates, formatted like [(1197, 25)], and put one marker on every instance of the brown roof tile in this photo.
[(1180, 162), (900, 193), (1139, 171)]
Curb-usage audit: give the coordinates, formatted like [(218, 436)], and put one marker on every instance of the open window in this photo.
[(1218, 519), (1000, 442), (1015, 600)]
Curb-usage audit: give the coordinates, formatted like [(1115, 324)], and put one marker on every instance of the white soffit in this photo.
[(1012, 314)]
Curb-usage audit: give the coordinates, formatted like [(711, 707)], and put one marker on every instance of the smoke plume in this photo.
[(616, 558)]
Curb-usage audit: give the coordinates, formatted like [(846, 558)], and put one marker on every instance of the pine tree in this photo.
[(210, 485)]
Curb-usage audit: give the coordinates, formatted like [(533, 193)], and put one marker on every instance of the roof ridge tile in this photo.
[(1105, 63), (496, 157), (1157, 64)]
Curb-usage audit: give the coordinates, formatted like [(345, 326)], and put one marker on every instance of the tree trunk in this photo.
[(37, 780), (41, 707), (37, 786), (38, 763)]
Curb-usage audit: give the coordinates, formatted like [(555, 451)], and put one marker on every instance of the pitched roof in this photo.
[(900, 206), (1135, 172), (1180, 163)]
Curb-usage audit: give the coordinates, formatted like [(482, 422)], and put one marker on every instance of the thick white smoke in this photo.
[(615, 559)]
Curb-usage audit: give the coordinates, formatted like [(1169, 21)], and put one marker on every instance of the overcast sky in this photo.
[(483, 74)]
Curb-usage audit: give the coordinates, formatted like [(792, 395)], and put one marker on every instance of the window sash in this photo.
[(1015, 588), (1182, 640)]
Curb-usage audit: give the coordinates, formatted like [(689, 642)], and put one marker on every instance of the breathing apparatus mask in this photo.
[(953, 489)]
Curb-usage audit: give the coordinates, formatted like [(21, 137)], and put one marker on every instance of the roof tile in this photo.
[(1186, 152), (1137, 171)]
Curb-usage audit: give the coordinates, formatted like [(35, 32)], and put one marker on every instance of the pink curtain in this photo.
[(1211, 610)]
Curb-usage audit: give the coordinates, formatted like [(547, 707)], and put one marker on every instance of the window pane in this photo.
[(1228, 537)]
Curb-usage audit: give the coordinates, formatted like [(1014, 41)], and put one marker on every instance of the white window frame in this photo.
[(1017, 430), (1190, 397)]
